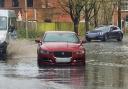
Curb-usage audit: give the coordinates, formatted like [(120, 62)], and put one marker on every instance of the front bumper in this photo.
[(52, 60), (97, 37)]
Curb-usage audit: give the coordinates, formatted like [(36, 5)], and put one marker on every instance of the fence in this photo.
[(55, 26)]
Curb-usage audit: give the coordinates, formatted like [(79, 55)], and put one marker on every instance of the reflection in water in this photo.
[(106, 77), (27, 73), (69, 77), (107, 68), (107, 65)]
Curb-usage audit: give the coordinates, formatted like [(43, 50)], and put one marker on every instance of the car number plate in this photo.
[(63, 60)]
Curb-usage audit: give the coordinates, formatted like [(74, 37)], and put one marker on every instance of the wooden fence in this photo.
[(55, 26)]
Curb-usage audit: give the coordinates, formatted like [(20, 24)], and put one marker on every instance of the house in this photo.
[(39, 10), (124, 15)]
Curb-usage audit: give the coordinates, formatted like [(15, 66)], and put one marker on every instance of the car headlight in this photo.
[(100, 33), (80, 52), (44, 51)]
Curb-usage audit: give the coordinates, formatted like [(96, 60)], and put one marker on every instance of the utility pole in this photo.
[(26, 19), (119, 13)]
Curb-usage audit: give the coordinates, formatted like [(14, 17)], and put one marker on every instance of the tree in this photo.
[(73, 8), (119, 13), (106, 11), (89, 11)]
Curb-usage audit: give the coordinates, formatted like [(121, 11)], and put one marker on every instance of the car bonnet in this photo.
[(59, 46)]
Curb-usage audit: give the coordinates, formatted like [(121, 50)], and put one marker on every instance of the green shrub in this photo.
[(60, 26), (32, 34), (21, 33), (42, 27)]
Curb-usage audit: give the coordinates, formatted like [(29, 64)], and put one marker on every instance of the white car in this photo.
[(7, 17)]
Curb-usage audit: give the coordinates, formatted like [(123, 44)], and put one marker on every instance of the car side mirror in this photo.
[(82, 41), (38, 41)]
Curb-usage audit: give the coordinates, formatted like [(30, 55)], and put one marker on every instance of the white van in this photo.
[(7, 17)]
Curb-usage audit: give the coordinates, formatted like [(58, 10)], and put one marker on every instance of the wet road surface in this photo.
[(20, 71), (107, 65), (106, 68)]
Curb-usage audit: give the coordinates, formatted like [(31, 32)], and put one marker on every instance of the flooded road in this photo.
[(106, 68), (107, 65), (20, 71)]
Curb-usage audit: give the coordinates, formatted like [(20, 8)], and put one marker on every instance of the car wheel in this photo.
[(88, 39), (84, 64), (105, 38), (5, 51), (3, 54), (120, 38), (39, 62)]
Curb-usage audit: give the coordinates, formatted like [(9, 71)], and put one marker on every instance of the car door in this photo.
[(113, 32)]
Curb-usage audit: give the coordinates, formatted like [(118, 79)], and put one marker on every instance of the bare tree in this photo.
[(106, 11), (96, 10), (73, 8), (90, 12)]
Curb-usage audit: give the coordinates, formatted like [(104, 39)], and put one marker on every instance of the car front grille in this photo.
[(62, 54)]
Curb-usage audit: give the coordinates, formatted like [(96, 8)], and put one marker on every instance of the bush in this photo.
[(32, 34), (21, 33), (42, 27)]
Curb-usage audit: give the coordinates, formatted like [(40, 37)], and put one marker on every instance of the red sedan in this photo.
[(60, 47)]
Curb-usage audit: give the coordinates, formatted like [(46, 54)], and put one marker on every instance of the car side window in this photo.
[(113, 28)]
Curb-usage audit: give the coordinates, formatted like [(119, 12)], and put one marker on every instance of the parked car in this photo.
[(104, 33), (60, 47)]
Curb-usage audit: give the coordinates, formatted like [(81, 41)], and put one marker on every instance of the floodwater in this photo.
[(20, 71), (106, 68), (107, 65)]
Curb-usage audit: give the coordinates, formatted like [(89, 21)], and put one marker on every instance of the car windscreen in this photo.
[(99, 28), (103, 29), (3, 23), (61, 37)]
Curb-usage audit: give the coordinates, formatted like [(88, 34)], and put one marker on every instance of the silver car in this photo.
[(104, 33)]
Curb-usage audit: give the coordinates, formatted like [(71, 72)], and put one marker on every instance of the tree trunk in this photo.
[(119, 14), (95, 17), (86, 22), (76, 28), (76, 24), (87, 26)]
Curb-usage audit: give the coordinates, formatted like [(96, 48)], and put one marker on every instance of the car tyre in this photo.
[(120, 38), (88, 39), (105, 38), (4, 54), (39, 62)]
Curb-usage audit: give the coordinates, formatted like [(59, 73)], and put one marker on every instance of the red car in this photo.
[(60, 47)]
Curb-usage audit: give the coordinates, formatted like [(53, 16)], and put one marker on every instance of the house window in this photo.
[(15, 3), (124, 5), (29, 3), (1, 3)]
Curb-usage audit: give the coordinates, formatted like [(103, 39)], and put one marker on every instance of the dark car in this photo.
[(60, 47), (104, 33)]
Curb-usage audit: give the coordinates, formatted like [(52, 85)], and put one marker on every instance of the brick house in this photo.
[(124, 15), (39, 10)]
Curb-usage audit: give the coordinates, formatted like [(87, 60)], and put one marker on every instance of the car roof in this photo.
[(112, 26), (59, 31), (103, 26)]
